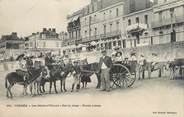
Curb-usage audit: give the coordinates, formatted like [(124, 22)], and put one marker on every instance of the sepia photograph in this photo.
[(92, 58)]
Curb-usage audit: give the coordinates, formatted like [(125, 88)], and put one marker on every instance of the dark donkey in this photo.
[(22, 78), (57, 72)]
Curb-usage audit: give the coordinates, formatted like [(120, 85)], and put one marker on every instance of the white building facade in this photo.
[(45, 41), (102, 23), (139, 26)]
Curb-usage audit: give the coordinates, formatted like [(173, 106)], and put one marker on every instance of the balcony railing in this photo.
[(92, 38), (110, 34), (102, 36), (165, 22), (95, 21)]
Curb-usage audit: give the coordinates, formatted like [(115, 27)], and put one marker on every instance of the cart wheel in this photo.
[(121, 76)]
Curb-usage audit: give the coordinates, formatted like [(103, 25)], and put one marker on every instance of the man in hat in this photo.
[(133, 57), (142, 62), (49, 60), (76, 76), (105, 66)]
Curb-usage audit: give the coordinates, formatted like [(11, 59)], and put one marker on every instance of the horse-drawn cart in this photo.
[(122, 74)]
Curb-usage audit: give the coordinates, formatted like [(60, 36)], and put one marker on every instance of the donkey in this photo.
[(57, 72), (20, 77)]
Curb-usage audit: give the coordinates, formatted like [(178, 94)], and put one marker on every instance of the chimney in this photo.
[(54, 30), (14, 33), (44, 30)]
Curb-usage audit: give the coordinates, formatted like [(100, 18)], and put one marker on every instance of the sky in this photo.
[(28, 16)]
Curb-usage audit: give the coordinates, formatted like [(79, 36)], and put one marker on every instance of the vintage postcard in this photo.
[(92, 58)]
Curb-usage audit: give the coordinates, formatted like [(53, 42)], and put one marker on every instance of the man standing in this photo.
[(49, 61), (105, 67), (142, 62), (76, 76)]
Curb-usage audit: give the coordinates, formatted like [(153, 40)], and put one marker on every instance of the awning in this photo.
[(81, 45), (93, 43), (136, 27), (75, 18)]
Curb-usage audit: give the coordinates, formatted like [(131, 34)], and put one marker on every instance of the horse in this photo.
[(20, 77), (151, 67), (57, 72)]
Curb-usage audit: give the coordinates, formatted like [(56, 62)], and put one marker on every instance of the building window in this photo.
[(110, 13), (104, 29), (117, 12), (110, 27), (94, 18), (124, 44), (172, 12), (90, 20), (146, 19), (95, 31), (161, 36), (110, 45), (151, 40), (119, 43), (85, 33), (173, 36), (129, 22), (132, 6), (137, 20), (117, 24), (104, 15), (114, 43), (160, 16)]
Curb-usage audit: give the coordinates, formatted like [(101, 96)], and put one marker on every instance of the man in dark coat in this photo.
[(105, 66), (49, 61)]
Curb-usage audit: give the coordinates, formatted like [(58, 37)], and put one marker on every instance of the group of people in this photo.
[(144, 63), (104, 70), (28, 63)]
